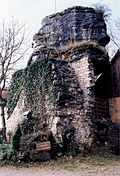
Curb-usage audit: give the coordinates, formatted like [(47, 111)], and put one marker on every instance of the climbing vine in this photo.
[(14, 91), (36, 81)]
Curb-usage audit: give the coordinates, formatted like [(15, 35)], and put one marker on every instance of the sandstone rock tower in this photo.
[(68, 58)]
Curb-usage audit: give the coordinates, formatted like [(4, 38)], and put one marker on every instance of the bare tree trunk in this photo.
[(3, 119)]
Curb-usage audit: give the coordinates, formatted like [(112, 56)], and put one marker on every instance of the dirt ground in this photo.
[(98, 164), (82, 170)]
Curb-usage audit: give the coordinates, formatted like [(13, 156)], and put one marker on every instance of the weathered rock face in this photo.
[(59, 82), (59, 101), (74, 24), (60, 95)]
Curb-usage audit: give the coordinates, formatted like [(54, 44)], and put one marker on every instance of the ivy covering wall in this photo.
[(36, 81), (14, 90)]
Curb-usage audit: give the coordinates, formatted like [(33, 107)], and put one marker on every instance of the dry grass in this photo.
[(75, 44), (70, 162)]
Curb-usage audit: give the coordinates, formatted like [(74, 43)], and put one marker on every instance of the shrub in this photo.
[(16, 140), (102, 11), (5, 150)]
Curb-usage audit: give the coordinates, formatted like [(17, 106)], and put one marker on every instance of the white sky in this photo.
[(32, 12)]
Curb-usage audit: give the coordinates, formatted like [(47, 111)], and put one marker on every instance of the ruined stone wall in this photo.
[(59, 80), (16, 117), (73, 104), (70, 111), (85, 81)]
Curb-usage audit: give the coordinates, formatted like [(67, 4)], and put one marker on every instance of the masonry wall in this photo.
[(16, 117), (114, 101), (74, 112), (115, 76), (114, 108), (72, 107), (59, 81), (84, 71)]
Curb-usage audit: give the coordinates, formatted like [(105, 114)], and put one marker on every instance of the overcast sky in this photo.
[(32, 12)]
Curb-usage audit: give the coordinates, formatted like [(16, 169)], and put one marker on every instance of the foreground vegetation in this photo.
[(68, 162)]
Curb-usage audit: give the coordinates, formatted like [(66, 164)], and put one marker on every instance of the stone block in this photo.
[(41, 156)]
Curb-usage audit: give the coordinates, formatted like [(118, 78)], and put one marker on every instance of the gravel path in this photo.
[(83, 170)]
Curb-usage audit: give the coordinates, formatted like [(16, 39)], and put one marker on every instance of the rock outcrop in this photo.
[(58, 86), (72, 25)]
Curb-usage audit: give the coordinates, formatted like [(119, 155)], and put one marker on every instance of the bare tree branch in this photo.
[(13, 44)]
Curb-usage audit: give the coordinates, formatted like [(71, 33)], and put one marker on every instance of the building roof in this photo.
[(117, 54), (4, 93)]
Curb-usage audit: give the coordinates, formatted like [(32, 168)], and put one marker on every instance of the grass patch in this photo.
[(70, 167), (69, 163), (100, 164)]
